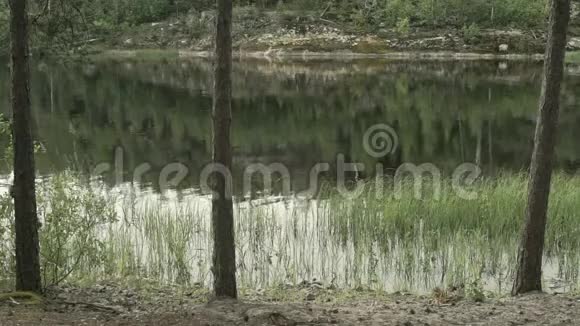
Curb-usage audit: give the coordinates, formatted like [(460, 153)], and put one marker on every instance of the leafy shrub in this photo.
[(471, 33), (72, 215), (396, 9), (403, 27), (495, 13), (6, 143), (147, 10), (359, 18), (474, 291)]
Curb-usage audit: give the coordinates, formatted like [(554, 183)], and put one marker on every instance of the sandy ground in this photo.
[(110, 305)]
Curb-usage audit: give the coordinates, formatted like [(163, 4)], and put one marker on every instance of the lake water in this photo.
[(131, 115), (297, 114)]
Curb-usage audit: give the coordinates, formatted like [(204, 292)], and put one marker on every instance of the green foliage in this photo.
[(452, 240), (144, 10), (71, 214), (70, 23), (403, 27), (6, 237), (519, 13), (6, 140), (300, 5), (436, 13), (4, 24), (479, 230), (474, 291), (573, 57), (398, 12), (471, 33)]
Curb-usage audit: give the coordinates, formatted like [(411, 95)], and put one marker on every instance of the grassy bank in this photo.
[(379, 243), (461, 240)]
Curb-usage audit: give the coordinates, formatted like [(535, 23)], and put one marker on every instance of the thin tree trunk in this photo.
[(26, 220), (479, 145), (224, 256), (529, 270), (490, 146)]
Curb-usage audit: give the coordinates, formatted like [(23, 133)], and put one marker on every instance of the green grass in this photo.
[(374, 243), (573, 57), (462, 240)]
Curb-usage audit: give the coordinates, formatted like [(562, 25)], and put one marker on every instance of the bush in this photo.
[(71, 215), (471, 33), (145, 11), (398, 12), (403, 27), (458, 13), (6, 143)]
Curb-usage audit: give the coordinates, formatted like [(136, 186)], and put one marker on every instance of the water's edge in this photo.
[(280, 54)]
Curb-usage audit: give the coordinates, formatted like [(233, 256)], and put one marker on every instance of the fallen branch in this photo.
[(95, 306), (325, 9), (26, 298), (329, 22)]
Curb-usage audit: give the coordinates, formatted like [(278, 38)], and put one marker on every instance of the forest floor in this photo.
[(109, 304), (274, 33)]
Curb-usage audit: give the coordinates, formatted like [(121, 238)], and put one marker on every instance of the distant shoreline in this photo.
[(281, 55)]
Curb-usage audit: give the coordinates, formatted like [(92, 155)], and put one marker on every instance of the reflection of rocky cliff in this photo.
[(312, 77), (297, 113)]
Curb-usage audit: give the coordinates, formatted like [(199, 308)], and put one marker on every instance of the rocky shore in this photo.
[(274, 34)]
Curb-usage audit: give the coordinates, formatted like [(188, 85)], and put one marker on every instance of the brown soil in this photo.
[(111, 305)]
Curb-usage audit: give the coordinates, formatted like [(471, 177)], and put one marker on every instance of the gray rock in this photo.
[(574, 44)]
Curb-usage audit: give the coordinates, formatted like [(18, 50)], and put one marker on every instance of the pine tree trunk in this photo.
[(26, 220), (529, 270), (224, 256)]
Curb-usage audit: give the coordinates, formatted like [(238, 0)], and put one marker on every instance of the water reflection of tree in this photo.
[(298, 114)]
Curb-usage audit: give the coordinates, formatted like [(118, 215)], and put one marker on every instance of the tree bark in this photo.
[(224, 256), (530, 255), (26, 219)]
